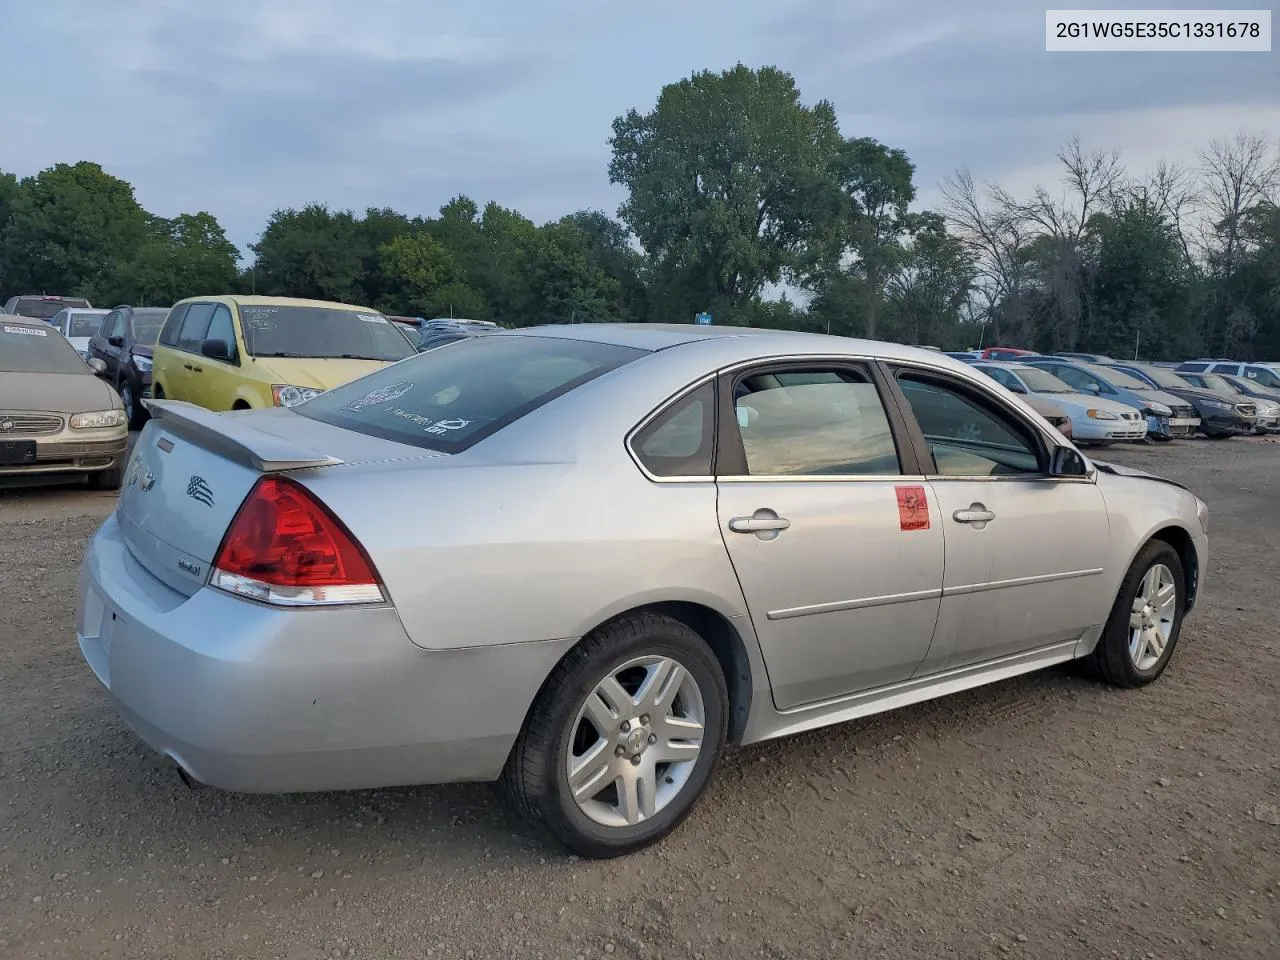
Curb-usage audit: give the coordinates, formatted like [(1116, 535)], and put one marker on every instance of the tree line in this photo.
[(737, 190)]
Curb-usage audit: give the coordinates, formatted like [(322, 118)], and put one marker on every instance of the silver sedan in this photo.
[(628, 547)]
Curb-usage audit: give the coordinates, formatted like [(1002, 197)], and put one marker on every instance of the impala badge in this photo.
[(199, 491)]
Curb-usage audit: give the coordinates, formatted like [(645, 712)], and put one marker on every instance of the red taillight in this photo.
[(285, 546)]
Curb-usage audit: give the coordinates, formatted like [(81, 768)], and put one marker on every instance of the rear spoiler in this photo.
[(235, 439)]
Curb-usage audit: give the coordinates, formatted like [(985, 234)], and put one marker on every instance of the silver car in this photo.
[(642, 543)]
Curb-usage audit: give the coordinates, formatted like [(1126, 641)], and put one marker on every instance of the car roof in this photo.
[(253, 301), (735, 340)]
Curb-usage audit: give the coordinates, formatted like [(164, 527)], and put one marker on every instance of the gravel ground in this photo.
[(1045, 817)]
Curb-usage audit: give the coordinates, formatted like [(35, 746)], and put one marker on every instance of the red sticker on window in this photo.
[(913, 508)]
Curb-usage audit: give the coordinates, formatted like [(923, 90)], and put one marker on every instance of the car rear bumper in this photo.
[(251, 698)]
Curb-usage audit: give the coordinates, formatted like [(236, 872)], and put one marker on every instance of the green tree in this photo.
[(609, 247), (564, 279), (187, 256), (726, 178), (70, 230), (864, 244), (422, 278), (926, 296), (311, 252)]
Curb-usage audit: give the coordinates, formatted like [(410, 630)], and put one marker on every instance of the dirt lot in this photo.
[(1047, 817)]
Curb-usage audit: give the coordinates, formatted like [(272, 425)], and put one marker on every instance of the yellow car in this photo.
[(236, 353)]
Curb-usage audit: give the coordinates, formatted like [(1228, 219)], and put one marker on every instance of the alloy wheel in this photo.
[(635, 741), (1151, 620)]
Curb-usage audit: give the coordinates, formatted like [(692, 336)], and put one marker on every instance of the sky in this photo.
[(246, 106)]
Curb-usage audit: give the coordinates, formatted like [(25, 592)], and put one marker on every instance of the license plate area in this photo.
[(16, 453)]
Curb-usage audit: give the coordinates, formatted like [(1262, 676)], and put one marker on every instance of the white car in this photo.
[(1094, 420), (78, 325)]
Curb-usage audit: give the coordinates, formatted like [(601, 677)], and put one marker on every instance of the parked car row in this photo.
[(1217, 398)]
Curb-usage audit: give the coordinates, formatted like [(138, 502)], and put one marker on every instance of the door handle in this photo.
[(977, 513), (197, 369), (761, 522), (187, 366)]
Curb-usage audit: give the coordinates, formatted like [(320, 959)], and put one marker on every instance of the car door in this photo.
[(189, 365), (217, 378), (827, 527), (101, 345), (1024, 551)]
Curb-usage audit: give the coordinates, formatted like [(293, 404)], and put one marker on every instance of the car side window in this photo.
[(968, 434), (110, 325), (1192, 367), (1077, 378), (818, 421), (194, 327), (1263, 376), (222, 329), (172, 324), (678, 442), (1225, 368), (1002, 377)]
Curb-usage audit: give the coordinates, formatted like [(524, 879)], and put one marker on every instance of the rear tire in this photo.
[(638, 712), (1139, 637)]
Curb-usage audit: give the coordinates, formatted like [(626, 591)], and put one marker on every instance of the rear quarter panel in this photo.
[(542, 531)]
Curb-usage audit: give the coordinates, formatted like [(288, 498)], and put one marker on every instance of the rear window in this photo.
[(84, 324), (43, 309), (448, 400), (31, 348), (322, 332)]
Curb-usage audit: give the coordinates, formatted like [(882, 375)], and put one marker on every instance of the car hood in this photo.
[(1195, 393), (316, 372), (143, 349), (55, 392), (1161, 396), (1120, 470)]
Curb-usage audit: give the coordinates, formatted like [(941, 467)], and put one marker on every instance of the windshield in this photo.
[(1165, 378), (84, 324), (1117, 378), (43, 309), (450, 399), (1211, 381), (322, 332), (29, 348), (146, 325), (1041, 381)]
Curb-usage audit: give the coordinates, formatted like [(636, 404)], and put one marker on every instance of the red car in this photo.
[(1007, 353)]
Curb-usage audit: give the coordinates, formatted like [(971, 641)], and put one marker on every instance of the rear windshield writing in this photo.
[(458, 394)]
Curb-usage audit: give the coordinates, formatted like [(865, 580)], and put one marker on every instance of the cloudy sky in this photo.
[(244, 106)]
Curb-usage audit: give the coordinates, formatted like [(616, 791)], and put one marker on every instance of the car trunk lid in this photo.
[(190, 471)]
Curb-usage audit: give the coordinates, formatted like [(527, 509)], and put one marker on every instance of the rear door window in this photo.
[(448, 400)]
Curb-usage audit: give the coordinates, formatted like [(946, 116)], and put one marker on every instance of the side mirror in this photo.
[(116, 341), (1067, 462), (1017, 388), (96, 365), (215, 350), (1094, 388)]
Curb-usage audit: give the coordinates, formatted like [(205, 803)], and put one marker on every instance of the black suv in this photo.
[(124, 343)]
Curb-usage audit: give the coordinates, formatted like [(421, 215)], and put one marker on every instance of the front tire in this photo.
[(133, 410), (1146, 621), (624, 737)]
